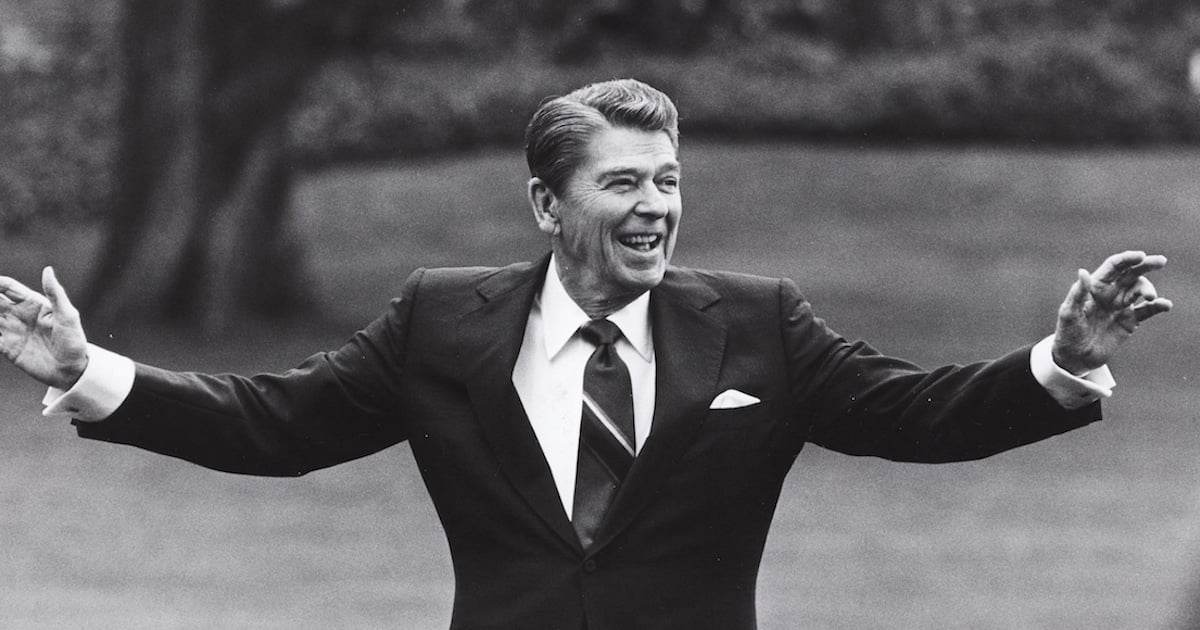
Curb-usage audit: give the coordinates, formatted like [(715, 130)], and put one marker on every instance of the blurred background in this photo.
[(231, 185)]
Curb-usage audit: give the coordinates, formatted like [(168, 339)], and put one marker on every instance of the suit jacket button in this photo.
[(589, 566)]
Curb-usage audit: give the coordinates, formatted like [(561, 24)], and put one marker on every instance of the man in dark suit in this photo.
[(604, 436)]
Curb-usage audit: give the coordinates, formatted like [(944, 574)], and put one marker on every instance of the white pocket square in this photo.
[(732, 399)]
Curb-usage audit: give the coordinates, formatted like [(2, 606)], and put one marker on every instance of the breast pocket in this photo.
[(733, 419), (725, 462), (724, 435)]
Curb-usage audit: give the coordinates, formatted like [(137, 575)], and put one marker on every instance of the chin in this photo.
[(646, 279)]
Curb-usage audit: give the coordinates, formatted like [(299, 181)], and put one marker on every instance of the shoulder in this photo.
[(472, 278), (729, 285), (454, 288)]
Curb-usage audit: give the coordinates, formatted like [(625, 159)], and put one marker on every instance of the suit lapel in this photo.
[(489, 340), (688, 346)]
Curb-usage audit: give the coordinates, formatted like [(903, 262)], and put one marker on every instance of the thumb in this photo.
[(56, 293), (1080, 291)]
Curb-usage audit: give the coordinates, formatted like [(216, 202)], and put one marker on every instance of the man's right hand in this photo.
[(41, 334)]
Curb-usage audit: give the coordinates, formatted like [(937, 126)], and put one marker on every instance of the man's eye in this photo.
[(669, 183), (622, 184)]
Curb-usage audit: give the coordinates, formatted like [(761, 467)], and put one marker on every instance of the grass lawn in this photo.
[(938, 255)]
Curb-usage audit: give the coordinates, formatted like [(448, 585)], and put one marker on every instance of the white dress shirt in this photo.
[(548, 377)]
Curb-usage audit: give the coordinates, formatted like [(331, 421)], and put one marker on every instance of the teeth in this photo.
[(643, 242)]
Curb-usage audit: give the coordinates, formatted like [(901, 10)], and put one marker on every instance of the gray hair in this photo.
[(561, 128)]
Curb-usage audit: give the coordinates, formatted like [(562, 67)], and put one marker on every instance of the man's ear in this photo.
[(543, 201)]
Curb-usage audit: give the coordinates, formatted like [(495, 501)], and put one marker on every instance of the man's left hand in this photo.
[(1103, 309)]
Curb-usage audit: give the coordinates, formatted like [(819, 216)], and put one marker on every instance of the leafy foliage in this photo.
[(456, 74), (58, 94)]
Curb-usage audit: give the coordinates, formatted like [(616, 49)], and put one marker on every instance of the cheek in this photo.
[(594, 230), (588, 240), (594, 235)]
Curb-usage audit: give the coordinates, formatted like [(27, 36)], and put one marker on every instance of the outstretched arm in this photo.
[(1102, 310), (42, 334)]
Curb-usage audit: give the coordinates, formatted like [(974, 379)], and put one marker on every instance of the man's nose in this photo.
[(653, 202)]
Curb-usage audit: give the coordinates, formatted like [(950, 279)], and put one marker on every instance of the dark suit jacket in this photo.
[(681, 544)]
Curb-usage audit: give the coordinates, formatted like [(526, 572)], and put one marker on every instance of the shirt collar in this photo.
[(561, 317)]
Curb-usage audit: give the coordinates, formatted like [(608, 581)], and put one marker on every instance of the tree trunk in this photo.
[(158, 157), (200, 234), (244, 257)]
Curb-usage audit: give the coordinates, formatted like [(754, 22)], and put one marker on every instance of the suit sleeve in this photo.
[(332, 408), (850, 398)]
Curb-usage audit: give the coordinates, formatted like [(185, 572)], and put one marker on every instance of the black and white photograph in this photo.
[(600, 314)]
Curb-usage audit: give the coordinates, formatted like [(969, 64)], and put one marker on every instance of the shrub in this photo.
[(57, 131), (1069, 81)]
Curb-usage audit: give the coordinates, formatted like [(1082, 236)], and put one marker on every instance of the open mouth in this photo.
[(641, 242)]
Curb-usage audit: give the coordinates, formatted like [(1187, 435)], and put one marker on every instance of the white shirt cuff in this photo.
[(1071, 391), (104, 385)]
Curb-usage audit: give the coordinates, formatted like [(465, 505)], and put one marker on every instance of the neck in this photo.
[(594, 305), (594, 302)]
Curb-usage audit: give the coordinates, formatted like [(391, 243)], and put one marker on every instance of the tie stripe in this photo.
[(612, 453), (606, 436), (601, 418)]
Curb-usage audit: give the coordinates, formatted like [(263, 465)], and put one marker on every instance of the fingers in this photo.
[(1114, 265), (1150, 263), (1129, 264), (1124, 273), (1142, 289), (16, 297), (1149, 309), (14, 290)]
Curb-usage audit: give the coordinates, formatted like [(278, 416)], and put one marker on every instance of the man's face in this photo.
[(617, 216)]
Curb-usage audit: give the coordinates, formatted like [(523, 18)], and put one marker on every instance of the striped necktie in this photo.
[(606, 437)]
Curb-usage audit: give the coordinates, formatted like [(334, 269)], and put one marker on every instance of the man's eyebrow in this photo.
[(632, 171), (620, 171)]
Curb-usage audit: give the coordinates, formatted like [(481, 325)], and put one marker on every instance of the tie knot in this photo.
[(600, 332)]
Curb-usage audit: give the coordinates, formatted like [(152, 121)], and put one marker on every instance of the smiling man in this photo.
[(613, 222), (605, 436)]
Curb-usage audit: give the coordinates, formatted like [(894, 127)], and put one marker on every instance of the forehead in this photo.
[(614, 148)]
